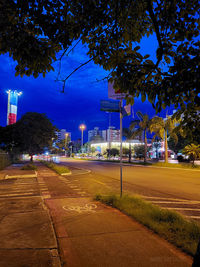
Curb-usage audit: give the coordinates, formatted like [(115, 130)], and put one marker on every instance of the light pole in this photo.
[(82, 128), (66, 136)]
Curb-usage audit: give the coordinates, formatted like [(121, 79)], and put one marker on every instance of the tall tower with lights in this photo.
[(12, 106)]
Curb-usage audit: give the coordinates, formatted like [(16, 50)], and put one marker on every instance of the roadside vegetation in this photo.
[(168, 224), (4, 160), (60, 169), (29, 167), (174, 165), (157, 164)]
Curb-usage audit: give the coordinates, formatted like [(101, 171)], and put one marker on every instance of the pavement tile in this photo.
[(27, 230), (98, 235), (16, 205), (26, 258)]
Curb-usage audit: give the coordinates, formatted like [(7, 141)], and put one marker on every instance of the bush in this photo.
[(180, 158), (139, 151), (60, 169), (29, 167), (4, 161)]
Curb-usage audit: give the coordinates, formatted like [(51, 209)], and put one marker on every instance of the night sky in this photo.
[(81, 101)]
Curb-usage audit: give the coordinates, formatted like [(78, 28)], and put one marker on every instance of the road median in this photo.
[(59, 169)]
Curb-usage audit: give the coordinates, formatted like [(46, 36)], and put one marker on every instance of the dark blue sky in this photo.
[(81, 101)]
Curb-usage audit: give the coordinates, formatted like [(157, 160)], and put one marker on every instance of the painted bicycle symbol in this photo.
[(86, 208)]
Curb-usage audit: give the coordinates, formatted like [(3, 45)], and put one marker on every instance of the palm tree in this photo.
[(129, 134), (143, 127), (162, 128), (193, 151)]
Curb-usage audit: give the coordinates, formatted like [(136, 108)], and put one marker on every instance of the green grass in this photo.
[(29, 167), (175, 165), (170, 225), (60, 169), (157, 164)]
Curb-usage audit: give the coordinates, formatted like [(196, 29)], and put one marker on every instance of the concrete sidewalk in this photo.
[(27, 235), (14, 171), (91, 234)]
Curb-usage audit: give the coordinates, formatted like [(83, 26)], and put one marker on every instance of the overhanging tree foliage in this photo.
[(34, 31)]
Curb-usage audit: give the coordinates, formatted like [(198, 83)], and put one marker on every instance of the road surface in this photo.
[(176, 189)]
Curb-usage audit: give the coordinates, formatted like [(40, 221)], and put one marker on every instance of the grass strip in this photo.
[(175, 165), (60, 169), (168, 224), (157, 164)]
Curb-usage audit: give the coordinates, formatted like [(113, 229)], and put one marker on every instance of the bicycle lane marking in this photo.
[(89, 207), (67, 253)]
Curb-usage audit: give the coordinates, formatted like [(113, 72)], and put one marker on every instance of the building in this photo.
[(62, 135), (111, 134), (102, 147), (93, 133)]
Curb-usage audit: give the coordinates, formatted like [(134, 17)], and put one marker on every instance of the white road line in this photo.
[(20, 190), (10, 195), (192, 209), (176, 202), (25, 183), (165, 198), (194, 217), (46, 196)]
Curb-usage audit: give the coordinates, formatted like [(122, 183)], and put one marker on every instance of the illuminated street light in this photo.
[(66, 136), (82, 127)]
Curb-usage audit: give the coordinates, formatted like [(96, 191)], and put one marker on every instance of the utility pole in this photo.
[(121, 116), (109, 141), (82, 128)]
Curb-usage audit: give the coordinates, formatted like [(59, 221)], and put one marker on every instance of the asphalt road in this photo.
[(176, 189)]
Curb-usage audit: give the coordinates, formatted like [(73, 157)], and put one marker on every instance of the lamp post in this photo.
[(66, 136), (82, 128)]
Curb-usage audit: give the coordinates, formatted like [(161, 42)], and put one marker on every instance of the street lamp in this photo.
[(66, 136), (82, 128)]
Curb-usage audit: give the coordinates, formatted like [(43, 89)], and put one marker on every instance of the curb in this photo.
[(66, 173), (21, 176)]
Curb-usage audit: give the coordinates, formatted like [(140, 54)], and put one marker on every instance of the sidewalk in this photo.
[(27, 234), (89, 233), (14, 171)]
